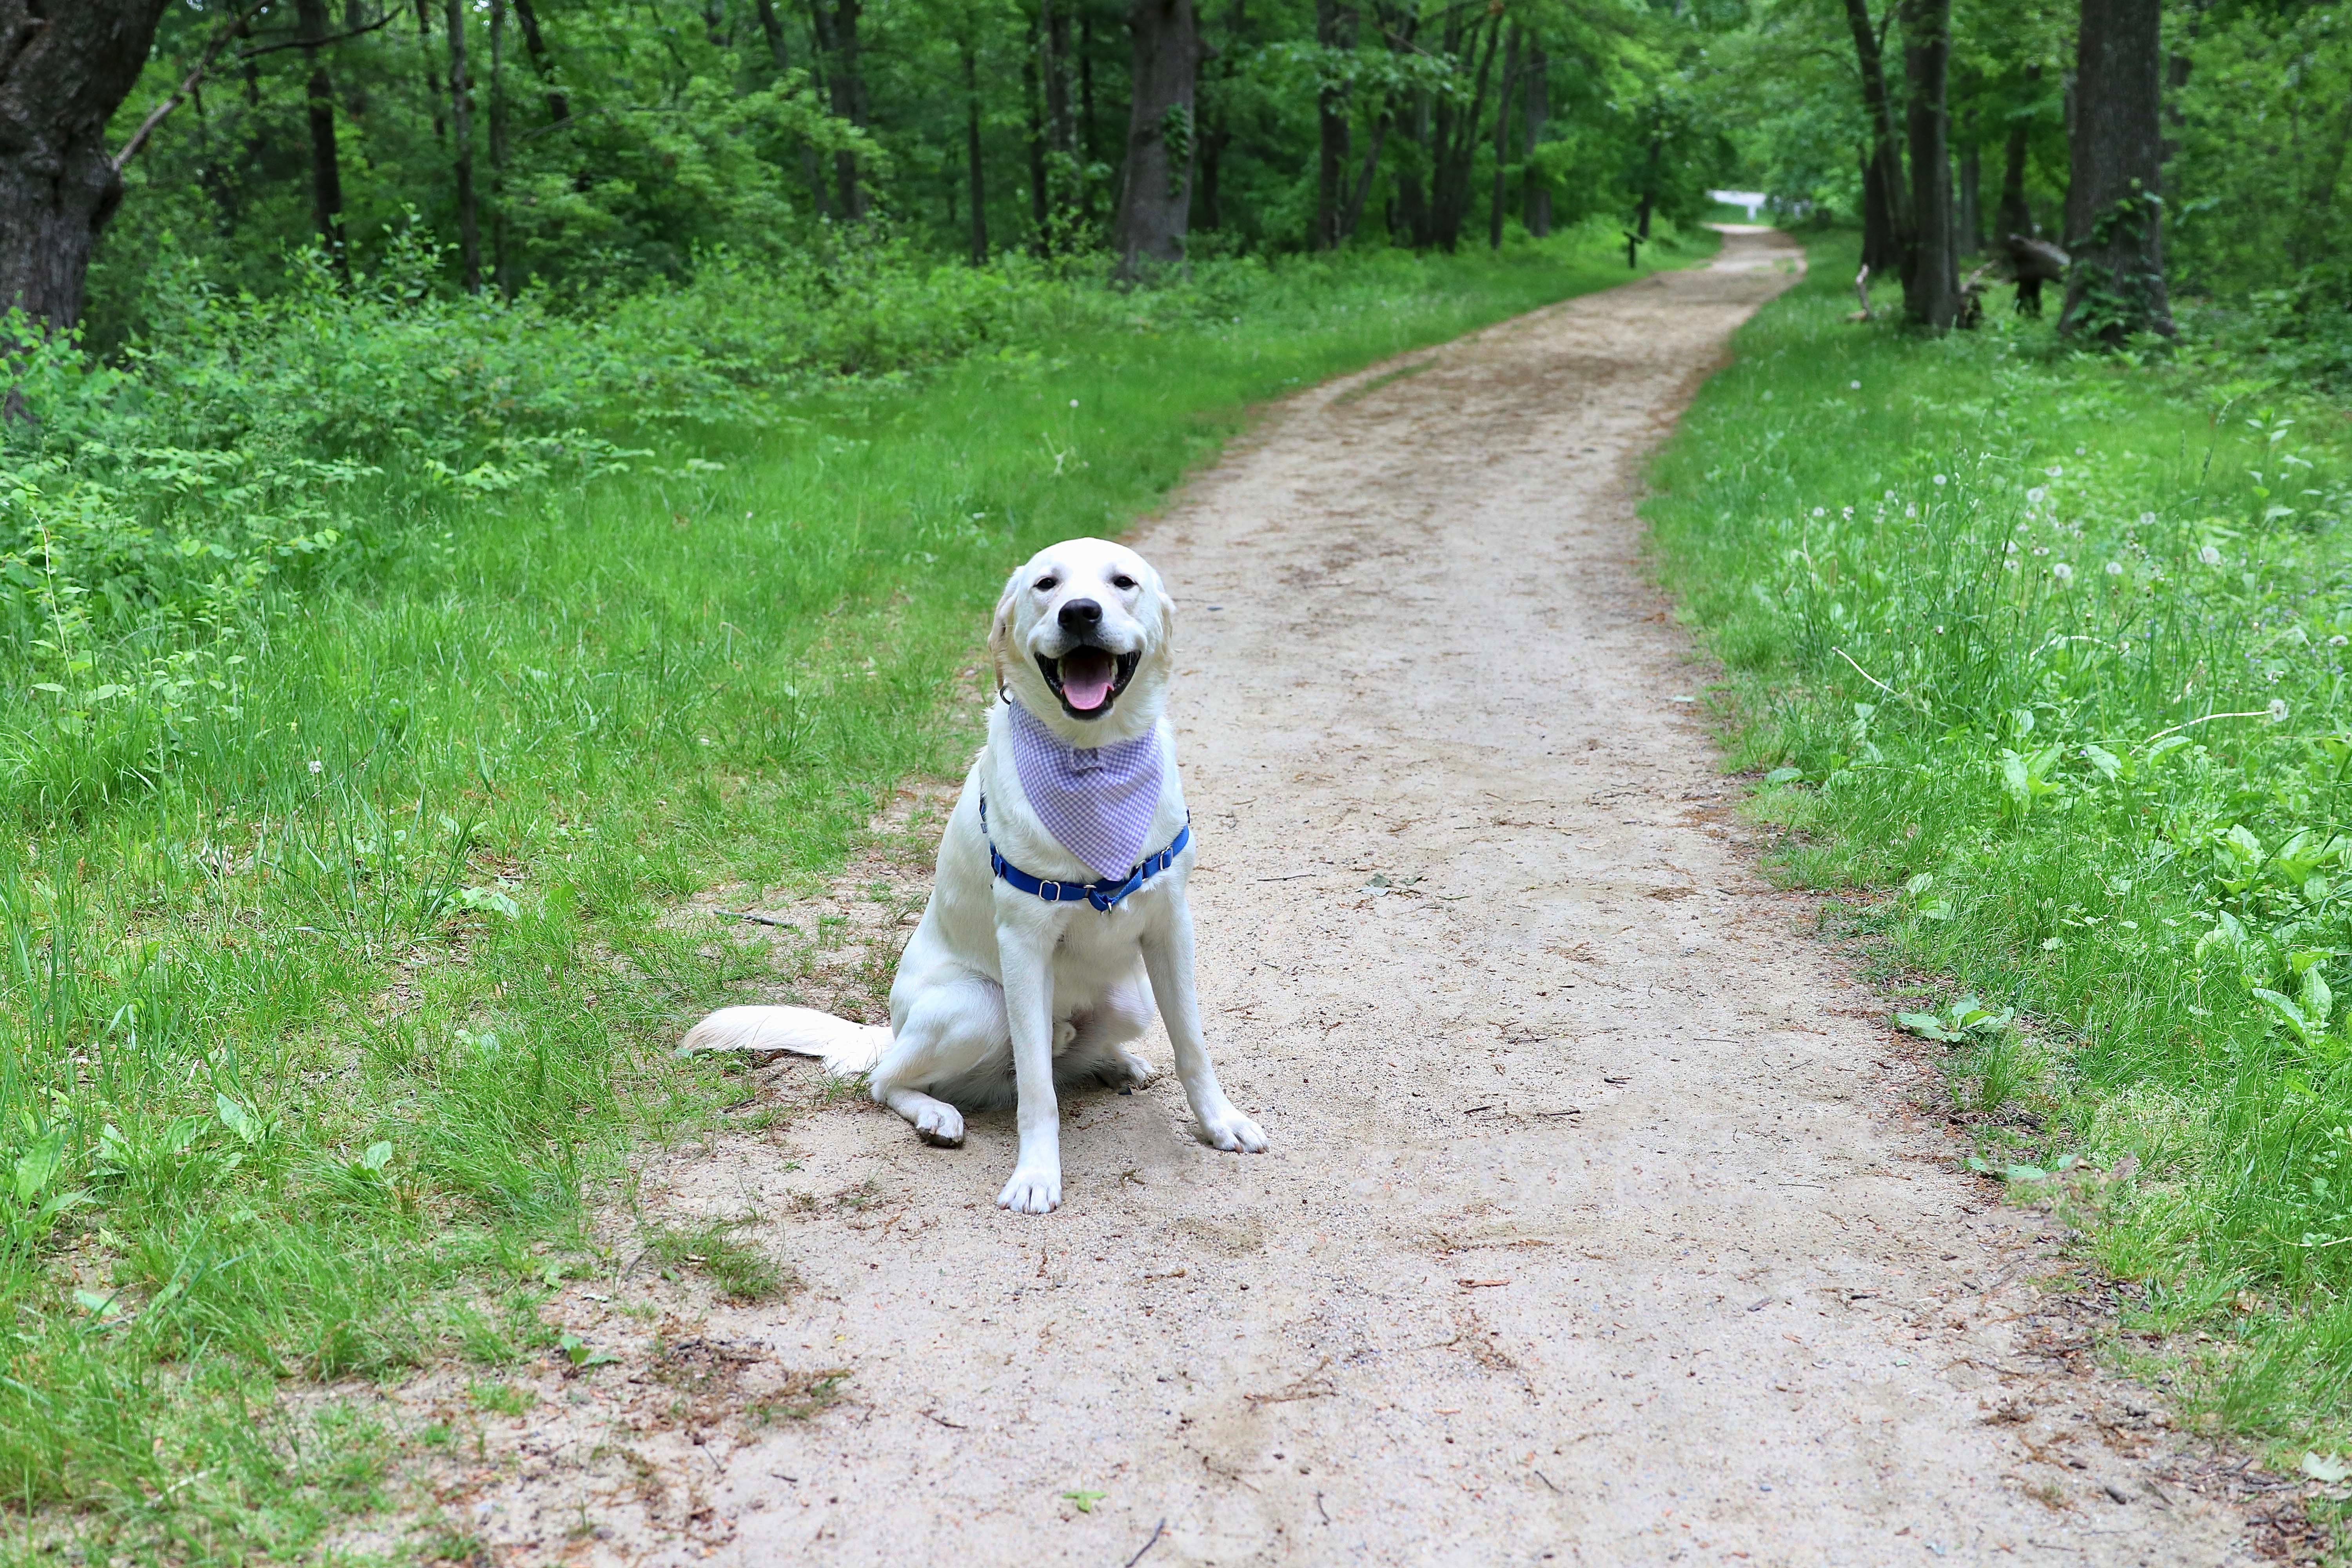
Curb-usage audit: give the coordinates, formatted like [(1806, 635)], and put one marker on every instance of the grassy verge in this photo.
[(2046, 656), (330, 1000)]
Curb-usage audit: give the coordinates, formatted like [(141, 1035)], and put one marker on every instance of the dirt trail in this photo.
[(1598, 1226)]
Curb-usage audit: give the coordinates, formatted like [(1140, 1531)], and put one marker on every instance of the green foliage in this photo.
[(2095, 619)]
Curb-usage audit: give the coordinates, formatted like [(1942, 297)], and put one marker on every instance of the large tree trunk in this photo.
[(1536, 197), (1882, 171), (67, 67), (1155, 196), (461, 131), (979, 195), (1931, 283), (326, 165), (2117, 285), (1503, 139)]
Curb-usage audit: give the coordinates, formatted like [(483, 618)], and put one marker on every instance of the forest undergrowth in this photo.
[(2042, 658), (381, 665)]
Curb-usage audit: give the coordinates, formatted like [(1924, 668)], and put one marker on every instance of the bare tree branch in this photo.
[(179, 94)]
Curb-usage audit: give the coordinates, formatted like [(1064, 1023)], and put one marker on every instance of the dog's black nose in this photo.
[(1080, 615)]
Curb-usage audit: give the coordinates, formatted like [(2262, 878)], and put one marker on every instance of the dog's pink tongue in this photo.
[(1087, 686)]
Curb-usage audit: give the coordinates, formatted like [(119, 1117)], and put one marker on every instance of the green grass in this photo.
[(334, 1004), (1989, 612)]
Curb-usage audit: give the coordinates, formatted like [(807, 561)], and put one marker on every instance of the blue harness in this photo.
[(1101, 895)]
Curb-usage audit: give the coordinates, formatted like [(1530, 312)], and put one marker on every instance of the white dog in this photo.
[(1059, 909)]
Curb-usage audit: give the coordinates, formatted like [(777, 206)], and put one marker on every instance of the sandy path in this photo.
[(1598, 1228)]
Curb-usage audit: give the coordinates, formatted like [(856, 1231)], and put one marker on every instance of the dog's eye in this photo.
[(1122, 582), (1048, 585)]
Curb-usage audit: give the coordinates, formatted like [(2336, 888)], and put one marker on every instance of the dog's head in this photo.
[(1082, 635)]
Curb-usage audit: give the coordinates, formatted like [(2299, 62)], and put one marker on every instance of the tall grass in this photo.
[(2045, 655), (333, 992)]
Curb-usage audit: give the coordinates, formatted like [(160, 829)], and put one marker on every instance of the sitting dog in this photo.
[(1057, 913)]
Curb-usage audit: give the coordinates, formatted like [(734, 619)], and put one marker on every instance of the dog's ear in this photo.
[(1000, 627), (1167, 603)]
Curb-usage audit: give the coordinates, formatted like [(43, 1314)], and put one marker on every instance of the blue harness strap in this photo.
[(1101, 895)]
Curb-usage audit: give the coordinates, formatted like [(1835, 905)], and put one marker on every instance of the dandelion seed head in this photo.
[(1940, 480), (2278, 710), (2010, 548), (2036, 495), (2054, 472), (2148, 520), (317, 766), (1854, 386), (1821, 511), (2064, 573), (1074, 403), (1910, 511), (2010, 566), (2339, 640), (2210, 556), (2114, 568), (2042, 550)]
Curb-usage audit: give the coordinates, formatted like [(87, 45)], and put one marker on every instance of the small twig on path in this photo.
[(952, 1426), (758, 919), (1545, 1479), (1321, 1509), (1148, 1544)]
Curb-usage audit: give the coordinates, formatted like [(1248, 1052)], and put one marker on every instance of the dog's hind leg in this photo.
[(1097, 1051), (949, 1034)]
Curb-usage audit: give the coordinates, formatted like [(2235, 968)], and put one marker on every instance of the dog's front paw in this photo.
[(1031, 1192), (1235, 1133)]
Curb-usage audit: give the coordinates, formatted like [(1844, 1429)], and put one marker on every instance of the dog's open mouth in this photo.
[(1088, 680)]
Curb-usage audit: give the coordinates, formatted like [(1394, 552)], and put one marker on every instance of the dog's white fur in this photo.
[(999, 984)]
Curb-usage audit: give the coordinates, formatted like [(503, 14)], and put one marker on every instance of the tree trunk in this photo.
[(66, 70), (1536, 191), (1155, 195), (501, 264), (1883, 175), (326, 164), (1649, 186), (1503, 139), (1040, 202), (2013, 216), (1881, 250), (849, 102), (1354, 211), (978, 194), (1412, 212), (1457, 142), (461, 132), (1971, 213), (434, 93), (559, 107), (1931, 283), (2115, 287), (1335, 29)]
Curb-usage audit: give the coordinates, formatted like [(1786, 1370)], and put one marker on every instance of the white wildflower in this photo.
[(1910, 511), (1939, 478), (2010, 548), (1854, 386), (2339, 640), (2114, 568), (2064, 573), (2278, 710), (2147, 519), (2008, 566), (2055, 472), (2037, 495), (2210, 556), (2042, 550), (1821, 511), (317, 766)]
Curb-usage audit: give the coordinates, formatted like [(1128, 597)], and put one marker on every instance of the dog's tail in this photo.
[(848, 1048)]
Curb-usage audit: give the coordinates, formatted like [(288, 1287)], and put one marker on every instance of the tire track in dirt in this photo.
[(1598, 1226)]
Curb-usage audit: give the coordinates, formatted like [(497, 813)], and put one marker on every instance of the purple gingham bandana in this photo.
[(1098, 801)]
